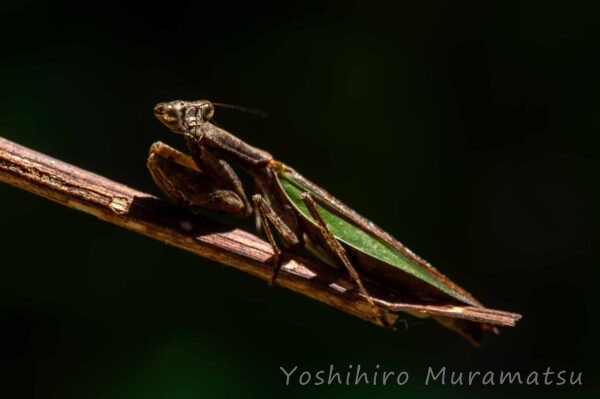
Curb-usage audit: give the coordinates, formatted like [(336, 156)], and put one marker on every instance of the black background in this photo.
[(469, 130)]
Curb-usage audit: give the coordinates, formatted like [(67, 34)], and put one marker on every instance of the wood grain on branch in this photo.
[(148, 215)]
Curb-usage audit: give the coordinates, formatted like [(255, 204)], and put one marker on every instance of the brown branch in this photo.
[(153, 217), (146, 214)]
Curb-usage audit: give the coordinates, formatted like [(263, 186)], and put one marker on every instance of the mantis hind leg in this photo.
[(339, 250), (269, 217), (179, 178)]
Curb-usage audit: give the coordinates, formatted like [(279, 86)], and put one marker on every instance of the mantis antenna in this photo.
[(253, 111)]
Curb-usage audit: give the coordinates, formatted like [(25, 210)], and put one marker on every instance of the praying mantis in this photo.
[(297, 214)]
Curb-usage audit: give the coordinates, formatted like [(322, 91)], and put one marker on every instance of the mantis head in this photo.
[(182, 116)]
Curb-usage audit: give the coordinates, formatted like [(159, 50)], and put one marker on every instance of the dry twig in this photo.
[(153, 217)]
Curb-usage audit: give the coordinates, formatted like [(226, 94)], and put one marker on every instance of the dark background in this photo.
[(467, 130)]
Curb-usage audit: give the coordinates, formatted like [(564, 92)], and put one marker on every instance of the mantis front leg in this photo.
[(219, 169), (180, 179)]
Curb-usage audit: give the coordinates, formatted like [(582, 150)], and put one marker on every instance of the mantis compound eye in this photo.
[(160, 109), (208, 110), (167, 113)]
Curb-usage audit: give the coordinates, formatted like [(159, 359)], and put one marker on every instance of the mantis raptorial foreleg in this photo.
[(219, 169), (179, 178)]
